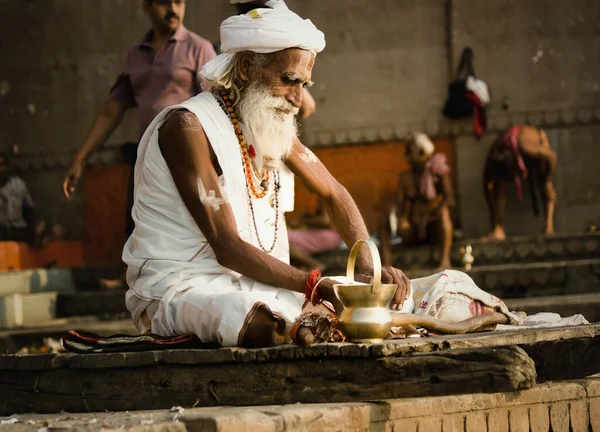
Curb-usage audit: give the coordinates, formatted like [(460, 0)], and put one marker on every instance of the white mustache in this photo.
[(286, 107)]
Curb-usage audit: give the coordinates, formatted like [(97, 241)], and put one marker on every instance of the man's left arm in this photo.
[(343, 213)]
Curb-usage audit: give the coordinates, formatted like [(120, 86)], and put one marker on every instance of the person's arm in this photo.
[(309, 105), (402, 200), (343, 213), (186, 149), (105, 123), (447, 196), (122, 97)]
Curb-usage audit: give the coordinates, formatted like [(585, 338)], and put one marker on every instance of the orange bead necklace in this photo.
[(249, 165), (250, 170)]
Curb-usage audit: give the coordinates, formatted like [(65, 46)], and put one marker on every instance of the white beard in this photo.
[(270, 131)]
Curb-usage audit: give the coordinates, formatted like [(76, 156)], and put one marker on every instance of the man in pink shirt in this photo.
[(161, 70)]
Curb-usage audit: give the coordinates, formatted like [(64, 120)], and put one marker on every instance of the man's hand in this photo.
[(326, 292), (72, 177), (391, 275), (403, 224)]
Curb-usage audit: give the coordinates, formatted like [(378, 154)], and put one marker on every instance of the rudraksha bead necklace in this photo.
[(248, 155)]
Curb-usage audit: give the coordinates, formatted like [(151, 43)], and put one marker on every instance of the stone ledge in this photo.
[(514, 250), (560, 406), (290, 352)]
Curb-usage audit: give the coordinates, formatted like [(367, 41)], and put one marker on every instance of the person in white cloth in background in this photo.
[(209, 253)]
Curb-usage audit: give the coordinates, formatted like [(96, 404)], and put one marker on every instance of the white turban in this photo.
[(422, 142), (263, 31)]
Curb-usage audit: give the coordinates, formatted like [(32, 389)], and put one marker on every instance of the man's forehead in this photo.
[(294, 60)]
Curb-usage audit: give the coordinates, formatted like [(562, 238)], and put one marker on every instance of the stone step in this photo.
[(587, 305), (13, 340), (26, 309), (514, 250), (560, 406), (534, 279), (323, 373), (547, 279), (109, 304), (61, 280)]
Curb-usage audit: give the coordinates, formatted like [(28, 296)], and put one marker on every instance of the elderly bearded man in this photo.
[(209, 253)]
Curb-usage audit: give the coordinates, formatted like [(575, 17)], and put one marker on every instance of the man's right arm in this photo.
[(402, 203), (186, 149), (105, 123), (122, 97)]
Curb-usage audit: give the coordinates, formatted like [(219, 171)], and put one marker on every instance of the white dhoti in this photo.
[(216, 309), (176, 283)]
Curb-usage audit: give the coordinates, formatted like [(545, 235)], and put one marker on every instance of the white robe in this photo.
[(172, 272)]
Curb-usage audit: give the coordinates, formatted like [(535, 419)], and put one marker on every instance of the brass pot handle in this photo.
[(376, 264)]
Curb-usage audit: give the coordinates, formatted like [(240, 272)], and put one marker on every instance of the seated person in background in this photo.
[(17, 219), (521, 152), (421, 214), (311, 235)]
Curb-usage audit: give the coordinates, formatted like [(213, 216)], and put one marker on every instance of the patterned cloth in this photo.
[(87, 343), (511, 140), (435, 168), (14, 196)]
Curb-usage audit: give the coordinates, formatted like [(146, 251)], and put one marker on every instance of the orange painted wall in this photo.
[(19, 256), (105, 199), (369, 172)]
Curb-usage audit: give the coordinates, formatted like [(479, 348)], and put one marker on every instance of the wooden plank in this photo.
[(272, 383), (487, 339), (387, 348)]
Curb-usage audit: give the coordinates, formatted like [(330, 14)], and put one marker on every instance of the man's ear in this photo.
[(244, 66)]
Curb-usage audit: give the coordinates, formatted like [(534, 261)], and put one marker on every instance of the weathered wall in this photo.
[(383, 74), (543, 56)]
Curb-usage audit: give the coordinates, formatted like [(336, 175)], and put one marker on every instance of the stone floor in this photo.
[(560, 406), (435, 366)]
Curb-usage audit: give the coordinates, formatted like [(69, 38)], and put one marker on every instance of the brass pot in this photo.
[(365, 318)]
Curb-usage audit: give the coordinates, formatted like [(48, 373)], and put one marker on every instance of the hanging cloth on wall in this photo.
[(467, 95)]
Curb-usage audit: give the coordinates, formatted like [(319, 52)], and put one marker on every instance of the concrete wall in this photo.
[(383, 74), (542, 55)]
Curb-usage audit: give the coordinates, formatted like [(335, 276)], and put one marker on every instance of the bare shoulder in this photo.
[(182, 137), (179, 123)]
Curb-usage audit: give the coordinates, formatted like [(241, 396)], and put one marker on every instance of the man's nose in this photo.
[(295, 96)]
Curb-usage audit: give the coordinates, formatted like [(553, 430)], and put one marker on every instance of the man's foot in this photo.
[(112, 284), (496, 235), (445, 264), (305, 336)]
